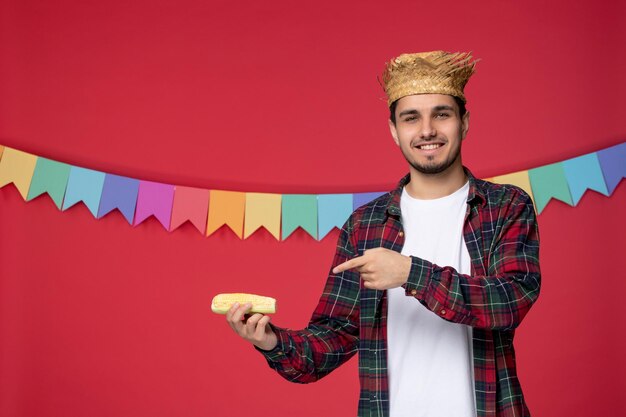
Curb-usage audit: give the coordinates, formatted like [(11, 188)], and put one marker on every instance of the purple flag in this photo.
[(154, 199), (119, 193), (613, 163), (363, 198)]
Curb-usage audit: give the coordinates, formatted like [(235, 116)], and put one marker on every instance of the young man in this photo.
[(429, 281)]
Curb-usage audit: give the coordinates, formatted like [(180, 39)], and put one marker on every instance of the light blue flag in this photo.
[(364, 198), (584, 173), (549, 182), (84, 185), (332, 211)]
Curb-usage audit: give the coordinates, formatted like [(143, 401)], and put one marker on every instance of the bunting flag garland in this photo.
[(190, 204), (281, 215), (549, 182), (49, 177), (226, 208), (613, 163), (84, 185), (154, 199), (332, 211), (584, 173), (119, 193), (299, 211), (262, 210), (17, 167)]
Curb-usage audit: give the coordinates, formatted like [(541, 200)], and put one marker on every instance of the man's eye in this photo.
[(442, 115), (410, 119)]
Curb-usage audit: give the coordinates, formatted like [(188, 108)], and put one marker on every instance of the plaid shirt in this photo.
[(501, 236)]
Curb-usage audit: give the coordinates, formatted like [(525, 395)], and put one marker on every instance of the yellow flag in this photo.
[(226, 208), (519, 179), (17, 167), (262, 210)]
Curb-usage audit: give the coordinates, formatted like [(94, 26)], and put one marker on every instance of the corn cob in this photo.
[(222, 302)]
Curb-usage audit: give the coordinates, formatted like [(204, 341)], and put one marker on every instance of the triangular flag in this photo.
[(190, 204), (262, 210), (84, 185), (549, 182), (584, 173), (17, 167), (613, 163), (332, 210), (50, 177), (361, 199), (119, 193), (519, 179), (154, 199), (299, 210), (226, 208)]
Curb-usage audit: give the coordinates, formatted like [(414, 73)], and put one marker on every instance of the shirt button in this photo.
[(443, 312), (400, 234), (413, 292)]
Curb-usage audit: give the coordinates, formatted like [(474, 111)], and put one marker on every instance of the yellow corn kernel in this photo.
[(222, 302)]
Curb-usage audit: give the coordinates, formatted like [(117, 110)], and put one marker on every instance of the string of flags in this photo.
[(280, 214)]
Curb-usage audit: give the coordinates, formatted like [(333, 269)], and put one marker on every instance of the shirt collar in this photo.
[(475, 194)]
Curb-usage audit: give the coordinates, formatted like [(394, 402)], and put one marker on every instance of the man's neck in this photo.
[(431, 186)]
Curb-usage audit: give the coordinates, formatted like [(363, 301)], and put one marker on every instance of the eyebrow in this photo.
[(440, 107), (443, 107), (406, 112)]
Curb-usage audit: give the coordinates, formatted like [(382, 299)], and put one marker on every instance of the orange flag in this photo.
[(226, 208)]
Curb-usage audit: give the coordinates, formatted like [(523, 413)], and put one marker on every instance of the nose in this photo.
[(428, 130)]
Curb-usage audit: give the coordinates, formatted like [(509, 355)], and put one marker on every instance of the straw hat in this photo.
[(436, 72)]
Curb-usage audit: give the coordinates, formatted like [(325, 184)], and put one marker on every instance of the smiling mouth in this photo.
[(429, 146)]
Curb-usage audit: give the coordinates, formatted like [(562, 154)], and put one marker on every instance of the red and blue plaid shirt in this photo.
[(501, 235)]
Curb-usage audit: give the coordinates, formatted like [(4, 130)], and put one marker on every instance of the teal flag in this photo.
[(299, 210), (49, 177), (584, 173), (333, 211), (84, 185), (549, 182)]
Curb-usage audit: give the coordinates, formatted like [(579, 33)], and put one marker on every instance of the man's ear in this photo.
[(394, 132), (465, 125)]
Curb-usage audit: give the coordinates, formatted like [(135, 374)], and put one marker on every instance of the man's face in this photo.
[(429, 131)]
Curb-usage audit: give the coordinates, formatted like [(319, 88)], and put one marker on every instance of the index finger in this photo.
[(352, 263)]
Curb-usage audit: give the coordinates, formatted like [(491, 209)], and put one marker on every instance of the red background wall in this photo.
[(101, 319)]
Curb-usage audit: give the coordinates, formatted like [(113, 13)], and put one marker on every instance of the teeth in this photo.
[(430, 146)]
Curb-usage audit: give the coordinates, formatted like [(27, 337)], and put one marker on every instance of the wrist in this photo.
[(269, 344), (406, 269)]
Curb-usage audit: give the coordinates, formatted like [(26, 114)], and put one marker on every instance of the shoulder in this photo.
[(367, 215), (373, 211), (502, 195)]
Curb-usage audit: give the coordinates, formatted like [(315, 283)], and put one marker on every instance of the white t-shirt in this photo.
[(430, 359)]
